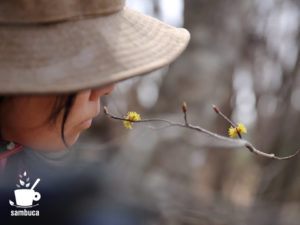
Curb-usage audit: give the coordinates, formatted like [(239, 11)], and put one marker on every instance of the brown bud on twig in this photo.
[(105, 110), (216, 108), (184, 107)]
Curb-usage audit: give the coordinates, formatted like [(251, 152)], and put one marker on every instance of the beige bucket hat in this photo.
[(61, 46)]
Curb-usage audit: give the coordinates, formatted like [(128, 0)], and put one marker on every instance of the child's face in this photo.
[(22, 119)]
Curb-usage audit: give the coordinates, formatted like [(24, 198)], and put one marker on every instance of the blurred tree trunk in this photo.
[(279, 182), (205, 20)]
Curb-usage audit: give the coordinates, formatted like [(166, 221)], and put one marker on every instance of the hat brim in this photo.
[(76, 55)]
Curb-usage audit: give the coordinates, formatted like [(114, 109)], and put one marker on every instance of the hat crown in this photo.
[(47, 11)]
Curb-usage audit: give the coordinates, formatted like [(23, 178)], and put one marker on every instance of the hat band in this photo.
[(47, 11)]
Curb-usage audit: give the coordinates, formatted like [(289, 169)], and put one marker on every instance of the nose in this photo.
[(96, 93)]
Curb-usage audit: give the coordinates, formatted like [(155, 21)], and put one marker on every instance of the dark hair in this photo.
[(61, 102)]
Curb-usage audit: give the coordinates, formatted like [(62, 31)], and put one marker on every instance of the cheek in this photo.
[(82, 110)]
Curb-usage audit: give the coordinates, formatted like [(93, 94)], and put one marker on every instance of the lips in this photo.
[(86, 124)]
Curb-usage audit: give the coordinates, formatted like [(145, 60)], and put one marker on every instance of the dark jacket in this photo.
[(71, 192)]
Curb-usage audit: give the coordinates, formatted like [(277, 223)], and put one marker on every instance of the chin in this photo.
[(71, 141)]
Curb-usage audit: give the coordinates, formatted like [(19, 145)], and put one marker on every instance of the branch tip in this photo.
[(216, 108), (105, 110), (184, 107)]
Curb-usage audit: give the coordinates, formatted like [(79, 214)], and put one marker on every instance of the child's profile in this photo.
[(49, 123)]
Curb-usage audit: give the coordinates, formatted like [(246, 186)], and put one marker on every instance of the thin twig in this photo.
[(236, 142), (217, 110), (184, 109), (234, 125)]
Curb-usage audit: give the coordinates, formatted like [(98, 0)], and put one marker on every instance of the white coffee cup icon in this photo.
[(25, 197)]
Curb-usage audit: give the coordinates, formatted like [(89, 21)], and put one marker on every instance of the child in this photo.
[(57, 58)]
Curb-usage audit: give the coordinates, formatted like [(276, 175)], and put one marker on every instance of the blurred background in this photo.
[(244, 57)]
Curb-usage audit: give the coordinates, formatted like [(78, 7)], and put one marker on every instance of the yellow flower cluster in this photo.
[(131, 116), (233, 131)]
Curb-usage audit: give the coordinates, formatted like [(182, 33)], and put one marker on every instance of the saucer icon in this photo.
[(26, 196)]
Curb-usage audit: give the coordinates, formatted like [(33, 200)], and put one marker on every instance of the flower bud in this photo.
[(105, 110), (215, 108), (184, 107)]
